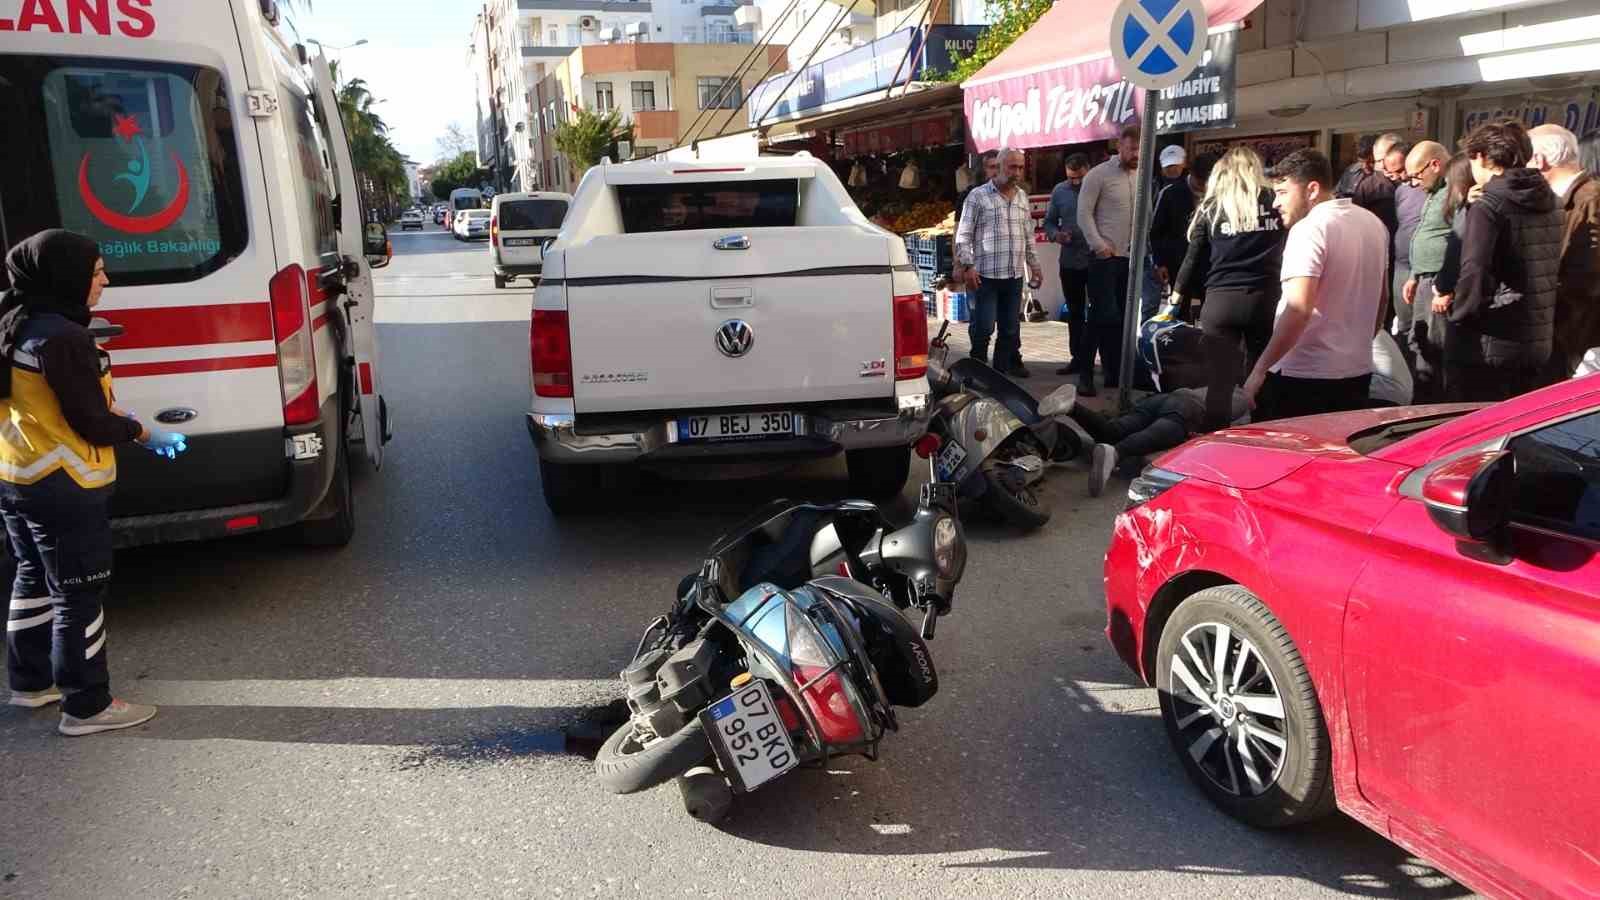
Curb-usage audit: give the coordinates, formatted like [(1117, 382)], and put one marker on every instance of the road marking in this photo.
[(384, 693)]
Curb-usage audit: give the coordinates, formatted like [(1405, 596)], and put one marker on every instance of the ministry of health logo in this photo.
[(137, 177)]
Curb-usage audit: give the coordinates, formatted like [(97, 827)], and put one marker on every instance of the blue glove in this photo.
[(166, 443)]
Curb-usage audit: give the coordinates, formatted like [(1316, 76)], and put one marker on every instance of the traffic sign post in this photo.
[(1156, 44)]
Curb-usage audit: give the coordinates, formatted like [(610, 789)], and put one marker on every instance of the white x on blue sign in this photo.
[(1157, 43)]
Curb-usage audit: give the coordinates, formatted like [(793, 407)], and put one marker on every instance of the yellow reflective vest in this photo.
[(35, 439)]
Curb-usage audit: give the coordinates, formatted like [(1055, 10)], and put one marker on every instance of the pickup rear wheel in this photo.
[(879, 473), (566, 487)]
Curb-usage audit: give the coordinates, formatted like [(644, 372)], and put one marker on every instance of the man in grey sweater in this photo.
[(1105, 216)]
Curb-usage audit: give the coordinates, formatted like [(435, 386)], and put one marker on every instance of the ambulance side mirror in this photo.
[(378, 250)]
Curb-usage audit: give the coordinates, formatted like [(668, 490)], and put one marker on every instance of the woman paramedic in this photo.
[(58, 425)]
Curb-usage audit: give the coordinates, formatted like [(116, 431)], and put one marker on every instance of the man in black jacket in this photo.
[(1502, 314), (1174, 210)]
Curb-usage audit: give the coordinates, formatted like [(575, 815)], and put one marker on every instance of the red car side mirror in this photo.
[(1470, 498)]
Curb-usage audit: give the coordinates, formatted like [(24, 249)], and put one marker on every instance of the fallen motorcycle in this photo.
[(994, 440), (787, 648)]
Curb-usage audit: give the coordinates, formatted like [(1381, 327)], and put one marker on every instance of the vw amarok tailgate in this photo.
[(646, 312)]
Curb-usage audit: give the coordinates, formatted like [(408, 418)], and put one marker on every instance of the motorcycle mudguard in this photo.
[(895, 648), (996, 422)]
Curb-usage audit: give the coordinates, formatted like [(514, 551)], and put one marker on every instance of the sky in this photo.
[(414, 61)]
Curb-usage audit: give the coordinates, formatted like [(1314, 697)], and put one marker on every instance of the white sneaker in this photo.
[(114, 717), (1101, 465), (35, 699)]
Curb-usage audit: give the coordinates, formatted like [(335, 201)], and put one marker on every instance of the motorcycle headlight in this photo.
[(1150, 484), (949, 550)]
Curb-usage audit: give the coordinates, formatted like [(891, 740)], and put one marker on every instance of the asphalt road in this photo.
[(387, 719)]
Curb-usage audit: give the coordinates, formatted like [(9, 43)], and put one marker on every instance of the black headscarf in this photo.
[(50, 272)]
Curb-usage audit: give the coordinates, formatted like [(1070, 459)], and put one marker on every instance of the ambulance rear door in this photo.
[(354, 246)]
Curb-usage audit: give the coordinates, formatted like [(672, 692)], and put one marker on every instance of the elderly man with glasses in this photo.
[(1424, 337)]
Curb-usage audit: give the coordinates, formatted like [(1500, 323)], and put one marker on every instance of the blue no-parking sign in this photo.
[(1157, 43)]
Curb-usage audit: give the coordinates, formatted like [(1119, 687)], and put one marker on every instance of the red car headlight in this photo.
[(1150, 484)]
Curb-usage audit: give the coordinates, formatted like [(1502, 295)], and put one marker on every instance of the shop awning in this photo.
[(1057, 84)]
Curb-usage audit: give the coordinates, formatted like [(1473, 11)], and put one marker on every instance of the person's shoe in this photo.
[(118, 715), (1086, 386), (1071, 368), (35, 699), (1019, 371), (979, 357), (1101, 464)]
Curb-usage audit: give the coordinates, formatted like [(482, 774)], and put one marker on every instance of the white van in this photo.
[(466, 198), (518, 228), (205, 154)]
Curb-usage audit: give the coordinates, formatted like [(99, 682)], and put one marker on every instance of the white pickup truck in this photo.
[(725, 311)]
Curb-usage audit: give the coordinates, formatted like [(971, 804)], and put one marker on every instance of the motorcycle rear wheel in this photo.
[(1007, 496), (624, 766)]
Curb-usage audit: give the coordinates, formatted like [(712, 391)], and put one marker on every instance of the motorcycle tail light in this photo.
[(829, 703), (789, 715), (928, 445)]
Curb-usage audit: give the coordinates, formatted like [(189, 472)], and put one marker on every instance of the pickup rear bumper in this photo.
[(558, 439)]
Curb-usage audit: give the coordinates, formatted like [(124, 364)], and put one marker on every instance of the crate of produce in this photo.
[(931, 251)]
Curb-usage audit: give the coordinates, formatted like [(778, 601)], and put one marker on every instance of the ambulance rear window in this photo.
[(140, 156)]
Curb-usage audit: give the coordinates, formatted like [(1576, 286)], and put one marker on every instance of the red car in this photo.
[(1395, 612)]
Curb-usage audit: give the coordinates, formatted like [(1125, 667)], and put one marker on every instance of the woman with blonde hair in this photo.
[(1235, 254)]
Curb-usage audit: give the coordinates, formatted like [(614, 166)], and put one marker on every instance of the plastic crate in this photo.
[(927, 277), (935, 252), (953, 306)]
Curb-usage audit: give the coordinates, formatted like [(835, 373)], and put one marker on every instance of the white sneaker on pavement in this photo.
[(118, 715), (1101, 465), (35, 699)]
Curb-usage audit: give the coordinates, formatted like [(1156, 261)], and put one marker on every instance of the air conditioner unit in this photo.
[(747, 16), (610, 35), (588, 23), (636, 29)]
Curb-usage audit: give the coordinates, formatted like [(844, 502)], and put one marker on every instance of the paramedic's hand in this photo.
[(165, 443)]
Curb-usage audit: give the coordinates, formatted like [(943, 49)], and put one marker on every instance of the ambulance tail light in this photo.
[(550, 346), (297, 362)]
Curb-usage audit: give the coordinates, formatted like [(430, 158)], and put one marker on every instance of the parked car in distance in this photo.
[(730, 312), (519, 224), (411, 218), (1395, 612), (472, 224), (439, 215)]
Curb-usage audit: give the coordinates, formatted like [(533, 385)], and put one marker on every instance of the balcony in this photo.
[(719, 9), (622, 6), (728, 35), (542, 51), (655, 125)]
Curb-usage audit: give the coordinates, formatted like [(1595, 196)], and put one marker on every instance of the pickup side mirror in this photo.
[(1470, 498), (378, 250)]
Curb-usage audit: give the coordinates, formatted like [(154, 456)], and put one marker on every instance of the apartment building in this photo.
[(812, 29), (668, 92)]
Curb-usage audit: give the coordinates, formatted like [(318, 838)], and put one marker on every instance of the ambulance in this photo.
[(202, 148)]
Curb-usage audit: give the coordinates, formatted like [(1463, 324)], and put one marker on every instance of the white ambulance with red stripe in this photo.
[(204, 152)]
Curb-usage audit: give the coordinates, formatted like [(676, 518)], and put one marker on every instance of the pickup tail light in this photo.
[(910, 338), (550, 348), (297, 362)]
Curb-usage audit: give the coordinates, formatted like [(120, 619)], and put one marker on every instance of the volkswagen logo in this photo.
[(735, 338)]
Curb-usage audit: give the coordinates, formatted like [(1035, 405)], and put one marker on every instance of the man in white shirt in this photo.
[(1335, 289), (1105, 217)]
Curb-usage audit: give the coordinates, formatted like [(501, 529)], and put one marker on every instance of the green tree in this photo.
[(1009, 19), (462, 171), (586, 136), (380, 168)]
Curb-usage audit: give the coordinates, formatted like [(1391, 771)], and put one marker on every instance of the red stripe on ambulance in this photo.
[(185, 366), (186, 326)]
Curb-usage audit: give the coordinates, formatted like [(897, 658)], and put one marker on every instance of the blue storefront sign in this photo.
[(864, 70)]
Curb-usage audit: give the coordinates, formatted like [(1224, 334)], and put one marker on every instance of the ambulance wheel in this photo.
[(335, 529), (500, 282)]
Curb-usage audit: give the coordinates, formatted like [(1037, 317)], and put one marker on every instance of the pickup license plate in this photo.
[(519, 242), (950, 460), (749, 737), (738, 426)]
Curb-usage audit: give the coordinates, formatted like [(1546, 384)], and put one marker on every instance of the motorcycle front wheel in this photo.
[(625, 766), (1007, 493)]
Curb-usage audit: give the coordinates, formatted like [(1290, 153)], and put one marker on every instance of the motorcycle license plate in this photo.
[(748, 736), (950, 460), (738, 426)]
